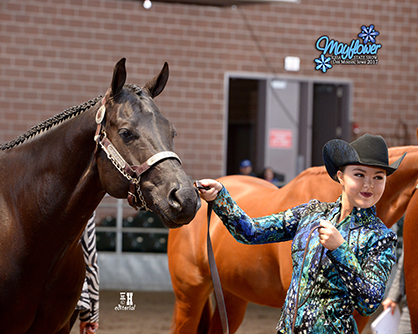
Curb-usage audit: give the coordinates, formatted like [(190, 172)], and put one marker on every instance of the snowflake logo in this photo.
[(323, 63), (368, 34)]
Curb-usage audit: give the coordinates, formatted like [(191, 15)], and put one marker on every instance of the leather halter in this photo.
[(131, 172)]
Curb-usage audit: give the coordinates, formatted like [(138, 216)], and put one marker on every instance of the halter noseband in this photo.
[(131, 172)]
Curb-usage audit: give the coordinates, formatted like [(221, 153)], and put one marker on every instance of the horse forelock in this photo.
[(50, 122), (148, 104), (134, 88)]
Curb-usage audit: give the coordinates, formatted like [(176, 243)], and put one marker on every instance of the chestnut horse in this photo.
[(410, 233), (53, 177), (259, 273)]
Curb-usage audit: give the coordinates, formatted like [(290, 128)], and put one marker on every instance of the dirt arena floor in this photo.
[(153, 312)]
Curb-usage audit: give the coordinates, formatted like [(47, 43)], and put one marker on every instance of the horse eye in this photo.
[(126, 135), (173, 131)]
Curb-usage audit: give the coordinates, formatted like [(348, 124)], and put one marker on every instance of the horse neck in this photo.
[(400, 186), (59, 182)]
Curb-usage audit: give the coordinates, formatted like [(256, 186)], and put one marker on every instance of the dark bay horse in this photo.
[(53, 177), (259, 273)]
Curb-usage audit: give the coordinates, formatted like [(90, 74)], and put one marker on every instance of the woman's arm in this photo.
[(366, 284), (89, 302), (272, 228)]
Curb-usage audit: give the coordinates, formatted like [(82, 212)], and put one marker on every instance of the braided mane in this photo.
[(50, 122), (59, 118)]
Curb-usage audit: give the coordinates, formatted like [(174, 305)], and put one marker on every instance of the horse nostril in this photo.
[(183, 199), (174, 198)]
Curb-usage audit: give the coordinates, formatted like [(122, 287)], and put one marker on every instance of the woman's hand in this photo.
[(88, 327), (329, 236), (214, 188), (389, 303)]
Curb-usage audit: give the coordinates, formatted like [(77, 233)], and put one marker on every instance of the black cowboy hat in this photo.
[(368, 150)]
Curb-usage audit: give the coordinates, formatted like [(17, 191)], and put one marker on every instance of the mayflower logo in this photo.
[(126, 302), (358, 52)]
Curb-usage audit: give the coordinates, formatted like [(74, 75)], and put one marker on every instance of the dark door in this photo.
[(243, 124), (330, 117)]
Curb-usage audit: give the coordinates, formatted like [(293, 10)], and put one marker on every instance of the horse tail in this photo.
[(206, 317)]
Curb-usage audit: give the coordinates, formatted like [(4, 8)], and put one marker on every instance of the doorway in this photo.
[(245, 121), (284, 122), (330, 118)]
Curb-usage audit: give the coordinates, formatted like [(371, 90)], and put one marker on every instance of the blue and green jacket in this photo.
[(329, 285)]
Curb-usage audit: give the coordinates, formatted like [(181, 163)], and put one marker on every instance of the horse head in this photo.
[(135, 157)]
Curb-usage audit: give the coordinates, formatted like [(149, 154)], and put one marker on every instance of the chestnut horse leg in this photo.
[(361, 321), (206, 317), (189, 307), (410, 233), (236, 307)]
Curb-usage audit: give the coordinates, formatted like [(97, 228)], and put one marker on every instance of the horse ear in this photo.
[(157, 84), (118, 80)]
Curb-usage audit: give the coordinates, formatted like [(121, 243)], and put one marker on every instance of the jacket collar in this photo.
[(358, 217)]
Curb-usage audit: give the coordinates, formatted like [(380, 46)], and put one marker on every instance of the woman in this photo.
[(88, 306), (342, 253), (270, 176)]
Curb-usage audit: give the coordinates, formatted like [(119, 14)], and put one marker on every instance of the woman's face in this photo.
[(362, 185), (268, 174)]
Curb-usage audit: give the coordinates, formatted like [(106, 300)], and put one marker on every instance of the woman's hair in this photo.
[(342, 168)]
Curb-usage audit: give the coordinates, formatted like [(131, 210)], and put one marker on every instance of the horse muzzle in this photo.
[(178, 207)]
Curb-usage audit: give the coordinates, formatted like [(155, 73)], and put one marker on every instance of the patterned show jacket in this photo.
[(331, 283)]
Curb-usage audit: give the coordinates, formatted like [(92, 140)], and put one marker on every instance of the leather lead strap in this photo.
[(215, 278)]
